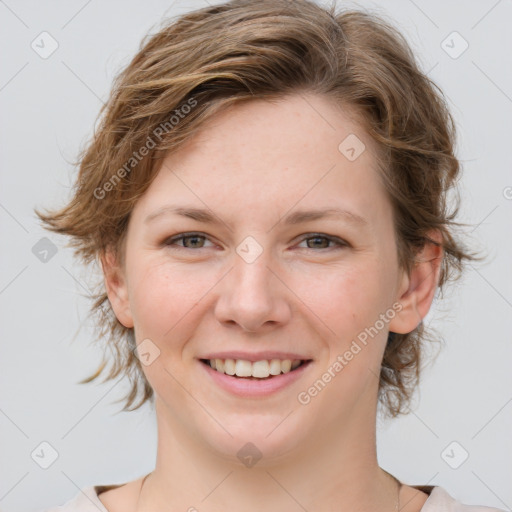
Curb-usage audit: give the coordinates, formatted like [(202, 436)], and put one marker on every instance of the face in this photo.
[(253, 281)]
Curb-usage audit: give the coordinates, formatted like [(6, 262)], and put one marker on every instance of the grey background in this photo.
[(48, 109)]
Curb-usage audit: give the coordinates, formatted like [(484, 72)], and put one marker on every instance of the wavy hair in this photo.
[(199, 63)]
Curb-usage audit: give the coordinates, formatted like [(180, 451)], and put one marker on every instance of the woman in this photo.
[(266, 195)]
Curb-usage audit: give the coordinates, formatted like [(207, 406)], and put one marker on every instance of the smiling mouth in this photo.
[(257, 370)]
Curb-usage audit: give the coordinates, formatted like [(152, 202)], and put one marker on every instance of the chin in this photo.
[(262, 439)]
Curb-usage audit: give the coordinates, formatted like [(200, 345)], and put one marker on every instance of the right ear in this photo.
[(116, 287)]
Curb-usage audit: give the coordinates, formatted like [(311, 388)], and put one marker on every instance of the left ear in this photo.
[(417, 290)]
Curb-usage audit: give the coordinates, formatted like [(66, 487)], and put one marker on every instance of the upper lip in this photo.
[(255, 356)]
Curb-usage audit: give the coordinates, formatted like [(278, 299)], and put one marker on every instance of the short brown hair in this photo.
[(243, 50)]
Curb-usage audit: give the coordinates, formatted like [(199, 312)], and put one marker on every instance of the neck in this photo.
[(340, 468)]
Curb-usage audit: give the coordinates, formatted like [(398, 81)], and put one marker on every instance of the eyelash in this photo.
[(340, 243)]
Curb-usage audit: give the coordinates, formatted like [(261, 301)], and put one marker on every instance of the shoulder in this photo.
[(86, 500), (440, 501), (114, 496)]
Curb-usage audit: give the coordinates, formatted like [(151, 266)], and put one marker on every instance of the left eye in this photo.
[(323, 239), (194, 240)]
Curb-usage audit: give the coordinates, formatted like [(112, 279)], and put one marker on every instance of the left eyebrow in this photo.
[(297, 217), (309, 215)]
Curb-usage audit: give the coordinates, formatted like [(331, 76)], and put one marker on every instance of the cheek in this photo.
[(350, 299), (167, 299), (159, 296), (351, 303)]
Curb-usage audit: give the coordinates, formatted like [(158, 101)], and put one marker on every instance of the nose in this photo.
[(253, 296)]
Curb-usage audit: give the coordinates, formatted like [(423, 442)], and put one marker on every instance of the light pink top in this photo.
[(438, 501)]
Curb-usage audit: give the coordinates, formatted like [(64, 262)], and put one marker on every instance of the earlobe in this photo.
[(116, 287), (418, 289)]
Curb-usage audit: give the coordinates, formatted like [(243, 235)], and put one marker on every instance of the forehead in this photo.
[(267, 156)]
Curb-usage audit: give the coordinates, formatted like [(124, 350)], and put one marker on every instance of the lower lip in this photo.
[(255, 388)]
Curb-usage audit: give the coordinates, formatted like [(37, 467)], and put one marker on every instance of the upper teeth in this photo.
[(260, 369)]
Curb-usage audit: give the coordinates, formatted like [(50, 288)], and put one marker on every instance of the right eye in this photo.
[(193, 239)]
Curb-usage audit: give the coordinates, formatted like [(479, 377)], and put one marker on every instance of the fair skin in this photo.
[(250, 166)]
